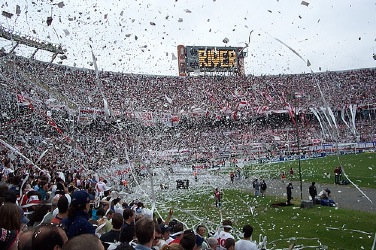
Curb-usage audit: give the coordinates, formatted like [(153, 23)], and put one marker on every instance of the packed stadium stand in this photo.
[(50, 105)]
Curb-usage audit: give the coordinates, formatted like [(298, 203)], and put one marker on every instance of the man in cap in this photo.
[(166, 234), (77, 221)]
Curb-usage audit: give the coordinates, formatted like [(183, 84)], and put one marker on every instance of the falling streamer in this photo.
[(356, 186), (105, 103), (20, 154), (343, 116), (353, 115), (294, 51), (314, 111), (326, 116), (41, 156), (332, 116)]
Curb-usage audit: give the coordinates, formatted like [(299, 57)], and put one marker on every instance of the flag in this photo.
[(243, 103), (291, 113)]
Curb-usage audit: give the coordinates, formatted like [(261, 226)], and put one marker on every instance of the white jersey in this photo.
[(100, 187), (245, 245), (221, 238)]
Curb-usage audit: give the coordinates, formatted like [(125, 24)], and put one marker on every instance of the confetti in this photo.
[(7, 14), (61, 4)]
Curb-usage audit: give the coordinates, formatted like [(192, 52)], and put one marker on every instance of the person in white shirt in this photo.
[(100, 187), (221, 236), (246, 243)]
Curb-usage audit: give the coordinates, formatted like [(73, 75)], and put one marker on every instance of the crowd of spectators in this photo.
[(45, 104), (55, 133), (42, 210)]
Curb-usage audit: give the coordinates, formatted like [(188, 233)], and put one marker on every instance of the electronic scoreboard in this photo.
[(210, 59)]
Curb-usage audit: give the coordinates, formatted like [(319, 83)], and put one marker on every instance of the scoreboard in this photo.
[(210, 59)]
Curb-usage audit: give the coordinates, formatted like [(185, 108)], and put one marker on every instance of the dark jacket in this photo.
[(312, 191), (77, 225)]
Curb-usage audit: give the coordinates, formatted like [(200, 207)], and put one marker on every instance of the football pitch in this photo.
[(319, 227), (359, 168)]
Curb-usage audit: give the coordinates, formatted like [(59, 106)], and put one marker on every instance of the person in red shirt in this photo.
[(291, 172), (217, 196), (178, 233), (62, 206)]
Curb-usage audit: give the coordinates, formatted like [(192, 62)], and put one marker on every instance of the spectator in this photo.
[(77, 221), (113, 235), (10, 218), (221, 236), (166, 234), (230, 244), (8, 239), (127, 236), (178, 231), (246, 242), (188, 241), (84, 241), (201, 237), (212, 243), (217, 196), (48, 237), (39, 213), (172, 247), (50, 215), (62, 206), (144, 233), (289, 193), (104, 225), (256, 186), (336, 175), (263, 188), (312, 192), (25, 239), (157, 243), (129, 217)]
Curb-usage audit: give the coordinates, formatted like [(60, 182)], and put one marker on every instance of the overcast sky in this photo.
[(140, 36)]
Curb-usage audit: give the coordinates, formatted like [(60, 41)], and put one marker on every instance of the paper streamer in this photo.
[(19, 153), (345, 229), (41, 156), (356, 186), (353, 115), (343, 116), (106, 108), (314, 111)]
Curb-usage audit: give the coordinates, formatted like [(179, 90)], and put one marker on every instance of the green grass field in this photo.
[(360, 168), (334, 228)]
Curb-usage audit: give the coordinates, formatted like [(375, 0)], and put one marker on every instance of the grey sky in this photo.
[(332, 34)]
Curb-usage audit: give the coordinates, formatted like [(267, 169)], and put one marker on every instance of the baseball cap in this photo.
[(165, 228), (80, 198)]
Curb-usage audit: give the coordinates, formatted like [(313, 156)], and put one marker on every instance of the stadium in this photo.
[(144, 133)]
